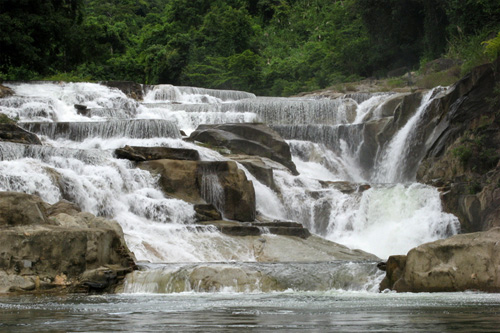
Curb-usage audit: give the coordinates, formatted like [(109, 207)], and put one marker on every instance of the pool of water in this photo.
[(332, 311)]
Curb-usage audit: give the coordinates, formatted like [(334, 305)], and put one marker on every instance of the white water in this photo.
[(383, 220), (391, 167)]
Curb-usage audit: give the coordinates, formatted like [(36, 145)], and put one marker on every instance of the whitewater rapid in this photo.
[(77, 163)]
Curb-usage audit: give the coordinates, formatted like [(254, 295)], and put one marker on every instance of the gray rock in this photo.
[(462, 262), (40, 251), (247, 138)]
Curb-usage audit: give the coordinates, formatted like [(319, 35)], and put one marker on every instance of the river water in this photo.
[(331, 141), (330, 311)]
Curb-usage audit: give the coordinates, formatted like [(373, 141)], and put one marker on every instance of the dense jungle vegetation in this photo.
[(269, 47)]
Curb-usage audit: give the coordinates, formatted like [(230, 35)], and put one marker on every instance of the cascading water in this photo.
[(332, 141)]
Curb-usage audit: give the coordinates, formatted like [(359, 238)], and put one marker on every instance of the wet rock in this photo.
[(211, 279), (5, 91), (247, 138), (462, 262), (207, 212), (220, 183), (394, 268), (140, 154), (129, 88), (10, 132), (282, 228), (44, 247), (240, 230), (346, 187), (177, 178), (82, 110), (257, 167)]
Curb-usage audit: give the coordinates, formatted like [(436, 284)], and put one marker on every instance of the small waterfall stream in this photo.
[(335, 144)]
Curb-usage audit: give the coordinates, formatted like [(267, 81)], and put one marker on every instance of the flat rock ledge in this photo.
[(58, 249), (459, 263), (281, 228), (141, 154)]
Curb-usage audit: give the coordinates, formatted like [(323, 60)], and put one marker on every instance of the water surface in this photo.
[(333, 311)]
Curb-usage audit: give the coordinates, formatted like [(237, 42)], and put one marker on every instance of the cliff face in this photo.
[(463, 148)]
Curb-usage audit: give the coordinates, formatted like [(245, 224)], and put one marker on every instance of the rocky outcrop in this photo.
[(10, 132), (462, 148), (57, 248), (246, 138), (5, 91), (129, 88), (462, 262), (140, 154), (219, 183)]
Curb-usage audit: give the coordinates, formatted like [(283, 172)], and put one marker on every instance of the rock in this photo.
[(129, 88), (177, 178), (397, 72), (346, 187), (239, 201), (20, 209), (282, 228), (5, 91), (461, 138), (241, 279), (257, 167), (439, 65), (82, 110), (394, 268), (247, 138), (65, 207), (240, 230), (10, 132), (41, 251), (140, 154), (462, 262), (207, 212), (220, 183)]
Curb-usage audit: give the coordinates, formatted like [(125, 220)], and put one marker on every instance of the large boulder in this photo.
[(462, 262), (219, 183), (57, 248), (247, 138)]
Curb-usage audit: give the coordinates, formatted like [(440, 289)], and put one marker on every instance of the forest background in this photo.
[(269, 47)]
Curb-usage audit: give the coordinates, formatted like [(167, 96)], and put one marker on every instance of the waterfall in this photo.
[(395, 165), (167, 92), (253, 277), (338, 146), (78, 131), (211, 189)]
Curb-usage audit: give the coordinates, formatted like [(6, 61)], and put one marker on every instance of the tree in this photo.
[(35, 34)]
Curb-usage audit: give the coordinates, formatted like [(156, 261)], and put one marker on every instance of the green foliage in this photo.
[(463, 153), (492, 48), (270, 47)]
